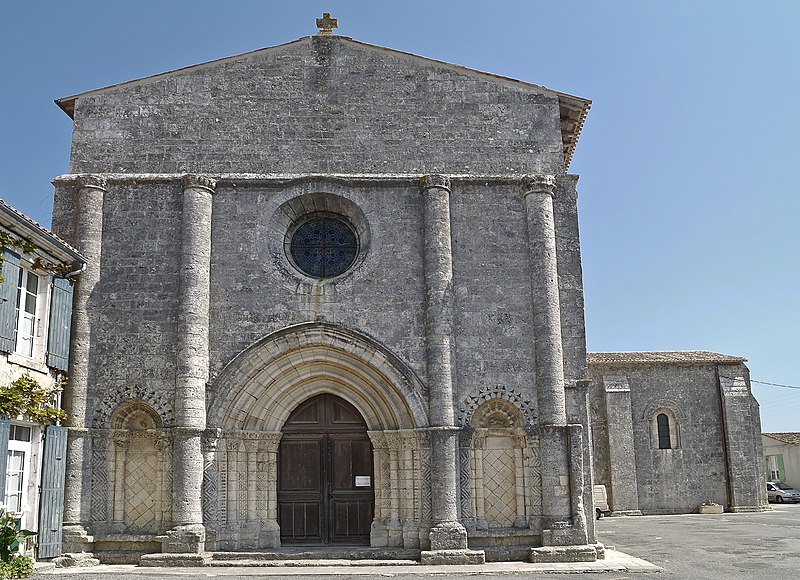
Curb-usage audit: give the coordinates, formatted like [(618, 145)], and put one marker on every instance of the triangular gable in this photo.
[(573, 109)]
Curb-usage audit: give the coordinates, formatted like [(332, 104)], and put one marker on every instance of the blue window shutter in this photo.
[(51, 501), (60, 323), (8, 300), (5, 428)]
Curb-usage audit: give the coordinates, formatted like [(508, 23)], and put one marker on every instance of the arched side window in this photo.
[(662, 424), (664, 432)]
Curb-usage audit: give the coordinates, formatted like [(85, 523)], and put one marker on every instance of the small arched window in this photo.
[(664, 429), (662, 422)]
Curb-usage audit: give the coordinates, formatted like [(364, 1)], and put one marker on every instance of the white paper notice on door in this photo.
[(363, 481)]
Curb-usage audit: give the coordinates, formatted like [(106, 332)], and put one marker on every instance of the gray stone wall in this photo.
[(255, 290), (133, 344), (319, 105), (494, 332), (677, 480)]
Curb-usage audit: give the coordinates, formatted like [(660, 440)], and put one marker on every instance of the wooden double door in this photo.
[(325, 475)]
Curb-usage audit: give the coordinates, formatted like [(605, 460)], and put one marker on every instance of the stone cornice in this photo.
[(285, 179)]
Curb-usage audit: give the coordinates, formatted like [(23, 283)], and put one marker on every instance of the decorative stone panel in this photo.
[(107, 404), (467, 408)]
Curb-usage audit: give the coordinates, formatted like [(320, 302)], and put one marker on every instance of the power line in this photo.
[(775, 384), (766, 383)]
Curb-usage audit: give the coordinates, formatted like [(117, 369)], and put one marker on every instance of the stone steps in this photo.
[(309, 563), (306, 557)]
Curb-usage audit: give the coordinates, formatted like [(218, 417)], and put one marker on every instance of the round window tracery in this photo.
[(323, 246)]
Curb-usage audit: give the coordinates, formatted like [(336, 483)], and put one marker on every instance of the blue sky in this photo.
[(689, 200)]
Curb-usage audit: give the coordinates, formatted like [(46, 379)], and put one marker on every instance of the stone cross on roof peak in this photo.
[(326, 24)]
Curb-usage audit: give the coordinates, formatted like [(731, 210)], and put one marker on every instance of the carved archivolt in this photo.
[(523, 405), (160, 403)]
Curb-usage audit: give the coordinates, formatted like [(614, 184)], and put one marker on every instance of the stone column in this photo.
[(548, 356), (192, 362), (563, 519), (271, 532), (447, 533), (90, 190)]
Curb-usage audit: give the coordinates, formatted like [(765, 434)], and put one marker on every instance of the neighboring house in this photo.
[(35, 315), (782, 457), (671, 430)]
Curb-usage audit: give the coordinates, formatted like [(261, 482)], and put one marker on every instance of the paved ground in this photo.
[(762, 546)]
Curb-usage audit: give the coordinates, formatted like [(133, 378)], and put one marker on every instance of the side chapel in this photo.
[(333, 297)]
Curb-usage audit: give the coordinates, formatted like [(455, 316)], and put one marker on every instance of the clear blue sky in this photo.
[(688, 161)]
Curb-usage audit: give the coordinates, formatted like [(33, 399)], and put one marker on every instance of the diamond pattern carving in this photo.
[(141, 487), (499, 485)]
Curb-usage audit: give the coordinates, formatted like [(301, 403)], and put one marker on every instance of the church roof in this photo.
[(790, 438), (690, 357), (572, 109)]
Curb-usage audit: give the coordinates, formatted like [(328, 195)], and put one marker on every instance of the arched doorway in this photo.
[(325, 478)]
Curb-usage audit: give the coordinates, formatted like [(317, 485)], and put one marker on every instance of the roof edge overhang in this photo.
[(667, 357), (572, 109), (23, 226)]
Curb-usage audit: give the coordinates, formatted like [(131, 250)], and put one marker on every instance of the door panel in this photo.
[(325, 479), (301, 465)]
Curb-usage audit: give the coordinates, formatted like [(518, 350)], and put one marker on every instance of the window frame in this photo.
[(41, 315), (656, 430)]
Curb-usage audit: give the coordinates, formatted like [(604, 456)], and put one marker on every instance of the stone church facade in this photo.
[(333, 297)]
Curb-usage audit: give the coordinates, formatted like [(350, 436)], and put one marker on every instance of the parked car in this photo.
[(779, 492), (600, 501)]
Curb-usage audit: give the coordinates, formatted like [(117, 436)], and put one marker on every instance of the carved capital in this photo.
[(410, 440), (538, 184), (92, 182), (434, 181), (211, 440), (378, 439), (194, 181)]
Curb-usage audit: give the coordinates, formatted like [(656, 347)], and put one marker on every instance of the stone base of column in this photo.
[(750, 508), (448, 536), (75, 540), (175, 560), (270, 535), (185, 540), (76, 560), (553, 554), (563, 535), (451, 557), (449, 546), (625, 513)]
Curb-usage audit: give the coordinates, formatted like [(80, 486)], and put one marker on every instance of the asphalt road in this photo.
[(762, 546)]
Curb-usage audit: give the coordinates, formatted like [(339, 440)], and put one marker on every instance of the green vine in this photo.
[(22, 244), (26, 246), (25, 396)]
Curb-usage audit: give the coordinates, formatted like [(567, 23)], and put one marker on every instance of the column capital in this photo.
[(89, 181), (434, 181), (196, 181), (538, 183)]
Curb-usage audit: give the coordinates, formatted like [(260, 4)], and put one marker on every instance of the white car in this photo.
[(600, 501), (779, 492)]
